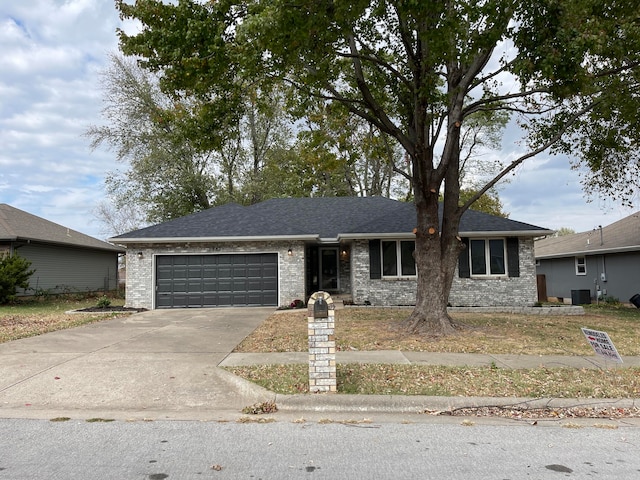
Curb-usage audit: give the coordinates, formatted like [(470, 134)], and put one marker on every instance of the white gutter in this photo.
[(508, 233), (373, 236), (584, 253), (311, 237), (517, 233)]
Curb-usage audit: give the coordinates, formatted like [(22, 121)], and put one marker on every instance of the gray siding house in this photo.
[(603, 262), (285, 249), (64, 260)]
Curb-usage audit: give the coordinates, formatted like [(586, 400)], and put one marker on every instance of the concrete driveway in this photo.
[(160, 364)]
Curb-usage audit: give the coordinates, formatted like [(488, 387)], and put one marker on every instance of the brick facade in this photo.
[(140, 271), (496, 291), (354, 275)]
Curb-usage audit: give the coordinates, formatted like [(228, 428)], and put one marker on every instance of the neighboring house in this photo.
[(64, 260), (285, 249), (602, 262)]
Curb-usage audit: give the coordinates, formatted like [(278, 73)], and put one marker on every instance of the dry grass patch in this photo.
[(377, 329), (377, 379), (35, 317), (369, 329)]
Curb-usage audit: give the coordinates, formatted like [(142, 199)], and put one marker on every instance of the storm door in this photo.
[(329, 269)]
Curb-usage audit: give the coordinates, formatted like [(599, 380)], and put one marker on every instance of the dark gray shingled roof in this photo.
[(317, 217), (17, 225), (621, 236)]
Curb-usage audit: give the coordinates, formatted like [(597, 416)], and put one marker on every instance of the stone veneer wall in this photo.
[(497, 291), (140, 290)]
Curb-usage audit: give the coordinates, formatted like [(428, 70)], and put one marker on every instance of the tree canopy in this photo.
[(421, 71)]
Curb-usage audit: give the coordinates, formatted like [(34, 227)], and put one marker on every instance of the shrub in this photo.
[(297, 304), (609, 300), (14, 274), (103, 302)]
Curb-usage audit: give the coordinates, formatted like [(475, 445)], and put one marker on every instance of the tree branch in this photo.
[(383, 64), (528, 155)]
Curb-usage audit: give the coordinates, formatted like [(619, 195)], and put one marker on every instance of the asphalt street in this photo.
[(78, 450)]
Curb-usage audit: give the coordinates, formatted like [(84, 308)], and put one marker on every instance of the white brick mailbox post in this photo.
[(322, 343)]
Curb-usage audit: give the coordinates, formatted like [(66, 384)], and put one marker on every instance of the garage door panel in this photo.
[(216, 280), (210, 271), (178, 301), (179, 286), (225, 285), (164, 274), (164, 287), (270, 270), (225, 271), (255, 271), (225, 299), (209, 285), (254, 284), (179, 260), (194, 272)]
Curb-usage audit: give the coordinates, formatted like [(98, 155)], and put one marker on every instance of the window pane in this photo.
[(496, 252), (406, 253), (478, 259), (389, 260)]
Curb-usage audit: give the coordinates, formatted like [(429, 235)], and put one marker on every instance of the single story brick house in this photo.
[(285, 249), (64, 260), (603, 262)]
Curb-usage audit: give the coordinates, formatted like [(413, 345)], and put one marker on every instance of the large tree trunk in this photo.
[(437, 244), (436, 256)]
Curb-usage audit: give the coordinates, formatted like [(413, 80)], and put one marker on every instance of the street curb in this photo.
[(421, 404), (247, 388)]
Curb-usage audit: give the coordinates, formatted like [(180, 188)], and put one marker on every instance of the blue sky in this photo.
[(51, 55)]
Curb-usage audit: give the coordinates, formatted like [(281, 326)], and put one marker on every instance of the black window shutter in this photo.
[(513, 257), (375, 262), (464, 269)]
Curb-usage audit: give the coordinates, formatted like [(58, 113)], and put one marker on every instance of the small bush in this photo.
[(609, 300), (103, 302), (14, 274), (297, 304)]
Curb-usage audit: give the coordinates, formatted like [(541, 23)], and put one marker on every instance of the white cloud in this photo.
[(51, 53)]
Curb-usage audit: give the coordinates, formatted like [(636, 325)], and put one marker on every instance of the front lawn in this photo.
[(35, 316), (376, 329), (499, 333)]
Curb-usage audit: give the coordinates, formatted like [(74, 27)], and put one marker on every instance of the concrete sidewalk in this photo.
[(429, 358), (347, 406)]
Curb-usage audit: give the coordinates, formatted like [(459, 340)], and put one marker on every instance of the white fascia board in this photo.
[(516, 233), (373, 236), (328, 240), (586, 253), (507, 233), (283, 238)]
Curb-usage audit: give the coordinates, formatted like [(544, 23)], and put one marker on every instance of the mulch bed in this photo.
[(111, 309)]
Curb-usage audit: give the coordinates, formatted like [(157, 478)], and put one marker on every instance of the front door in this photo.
[(329, 269)]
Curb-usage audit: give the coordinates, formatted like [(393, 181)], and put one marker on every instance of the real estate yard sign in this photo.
[(602, 344)]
